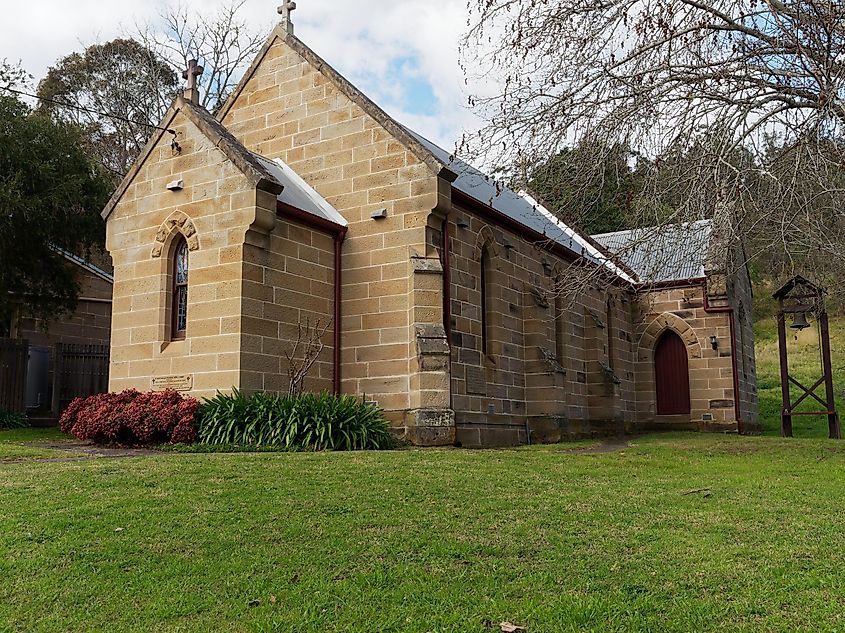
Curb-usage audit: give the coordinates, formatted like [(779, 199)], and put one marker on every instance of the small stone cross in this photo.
[(191, 73), (285, 10)]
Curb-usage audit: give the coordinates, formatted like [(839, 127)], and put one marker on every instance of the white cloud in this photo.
[(365, 40)]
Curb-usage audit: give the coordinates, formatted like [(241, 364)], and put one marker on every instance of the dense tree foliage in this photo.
[(124, 89), (51, 195), (599, 201)]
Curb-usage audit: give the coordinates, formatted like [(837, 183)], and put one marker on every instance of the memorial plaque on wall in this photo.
[(476, 381), (184, 382)]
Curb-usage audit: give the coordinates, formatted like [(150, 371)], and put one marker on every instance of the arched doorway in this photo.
[(671, 375)]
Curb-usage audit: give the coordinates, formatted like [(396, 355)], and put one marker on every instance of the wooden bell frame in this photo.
[(799, 298)]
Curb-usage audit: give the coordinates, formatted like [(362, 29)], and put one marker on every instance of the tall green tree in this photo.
[(51, 194), (114, 92), (596, 197)]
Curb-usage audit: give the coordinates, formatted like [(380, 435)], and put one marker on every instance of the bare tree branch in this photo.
[(728, 109)]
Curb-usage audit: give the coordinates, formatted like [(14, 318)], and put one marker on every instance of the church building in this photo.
[(303, 207)]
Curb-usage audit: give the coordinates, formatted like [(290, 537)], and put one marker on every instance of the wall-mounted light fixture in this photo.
[(381, 214), (462, 222), (176, 185), (714, 342)]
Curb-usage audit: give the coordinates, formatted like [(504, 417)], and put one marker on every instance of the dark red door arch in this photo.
[(671, 375)]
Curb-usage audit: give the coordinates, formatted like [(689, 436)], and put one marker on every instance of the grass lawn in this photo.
[(18, 444), (805, 365), (435, 540)]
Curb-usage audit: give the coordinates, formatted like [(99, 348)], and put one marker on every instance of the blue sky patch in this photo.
[(417, 94), (401, 88)]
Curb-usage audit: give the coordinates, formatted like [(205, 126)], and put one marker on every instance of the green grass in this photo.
[(805, 365), (431, 541), (17, 444)]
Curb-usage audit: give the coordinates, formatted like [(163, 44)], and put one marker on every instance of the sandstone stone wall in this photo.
[(89, 324), (214, 211), (293, 108), (742, 302), (710, 371), (560, 368), (288, 282)]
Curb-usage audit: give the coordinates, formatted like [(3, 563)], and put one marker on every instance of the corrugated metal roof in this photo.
[(665, 253), (298, 193), (520, 208), (84, 263)]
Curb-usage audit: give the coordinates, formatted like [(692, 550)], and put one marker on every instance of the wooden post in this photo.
[(57, 380), (785, 414), (832, 416)]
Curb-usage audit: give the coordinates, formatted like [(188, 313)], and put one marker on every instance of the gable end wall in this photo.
[(289, 109)]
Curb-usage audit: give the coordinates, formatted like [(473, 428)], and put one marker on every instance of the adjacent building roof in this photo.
[(83, 263), (664, 253)]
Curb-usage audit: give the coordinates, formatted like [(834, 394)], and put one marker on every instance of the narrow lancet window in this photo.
[(485, 298), (180, 290)]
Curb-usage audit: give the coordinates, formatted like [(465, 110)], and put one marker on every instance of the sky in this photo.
[(402, 53)]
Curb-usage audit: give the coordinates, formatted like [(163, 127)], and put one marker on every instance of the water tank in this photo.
[(37, 377)]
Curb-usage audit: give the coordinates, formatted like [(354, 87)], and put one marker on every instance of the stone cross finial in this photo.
[(191, 74), (285, 10)]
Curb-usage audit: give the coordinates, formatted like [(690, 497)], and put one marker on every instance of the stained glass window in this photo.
[(180, 290)]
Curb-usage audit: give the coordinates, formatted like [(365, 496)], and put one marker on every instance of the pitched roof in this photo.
[(796, 282), (663, 253), (298, 193), (265, 174), (84, 263), (481, 187), (242, 158), (464, 177)]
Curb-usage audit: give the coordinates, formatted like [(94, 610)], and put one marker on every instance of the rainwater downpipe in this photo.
[(339, 237)]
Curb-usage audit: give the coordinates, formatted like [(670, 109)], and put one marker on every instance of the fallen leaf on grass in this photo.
[(118, 529), (272, 599), (507, 627)]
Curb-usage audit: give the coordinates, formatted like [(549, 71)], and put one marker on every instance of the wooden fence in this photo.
[(14, 356), (78, 371)]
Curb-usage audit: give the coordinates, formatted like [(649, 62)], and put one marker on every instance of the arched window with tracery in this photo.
[(179, 308)]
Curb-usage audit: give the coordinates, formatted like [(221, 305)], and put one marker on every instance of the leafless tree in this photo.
[(223, 43), (120, 90), (305, 352), (738, 105)]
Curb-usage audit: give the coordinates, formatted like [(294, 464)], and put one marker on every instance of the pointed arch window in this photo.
[(181, 267), (560, 321), (484, 282)]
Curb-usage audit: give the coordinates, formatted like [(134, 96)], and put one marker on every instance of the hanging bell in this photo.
[(799, 321)]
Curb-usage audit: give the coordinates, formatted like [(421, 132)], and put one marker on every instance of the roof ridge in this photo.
[(216, 132), (347, 88)]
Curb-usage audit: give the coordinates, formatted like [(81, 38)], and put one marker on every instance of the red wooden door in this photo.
[(671, 375)]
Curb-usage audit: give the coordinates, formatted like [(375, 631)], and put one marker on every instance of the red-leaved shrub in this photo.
[(132, 418)]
